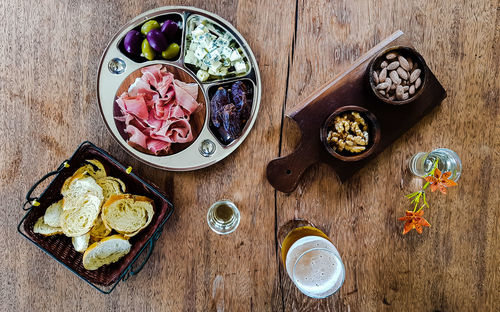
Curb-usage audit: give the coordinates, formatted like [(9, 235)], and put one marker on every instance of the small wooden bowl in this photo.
[(406, 52), (373, 133)]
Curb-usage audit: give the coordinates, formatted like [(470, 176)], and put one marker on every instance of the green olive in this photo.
[(147, 50), (146, 27), (171, 52)]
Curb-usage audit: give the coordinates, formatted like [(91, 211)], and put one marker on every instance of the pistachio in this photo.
[(414, 75), (391, 56), (402, 73), (383, 74), (404, 63), (395, 77), (382, 86), (375, 77), (418, 82), (411, 91), (393, 65)]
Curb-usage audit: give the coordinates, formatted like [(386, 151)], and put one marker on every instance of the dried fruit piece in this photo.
[(219, 100), (239, 96)]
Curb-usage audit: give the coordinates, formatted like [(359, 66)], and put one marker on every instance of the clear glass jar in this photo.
[(421, 164), (223, 217)]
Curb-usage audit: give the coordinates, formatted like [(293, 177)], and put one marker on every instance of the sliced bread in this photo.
[(78, 189), (53, 213), (80, 243), (108, 250), (41, 227), (79, 221), (99, 230), (93, 168), (127, 214), (111, 186)]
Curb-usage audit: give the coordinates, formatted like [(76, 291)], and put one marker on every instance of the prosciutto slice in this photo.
[(156, 110)]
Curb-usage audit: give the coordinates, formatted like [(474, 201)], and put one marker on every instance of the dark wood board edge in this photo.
[(349, 88)]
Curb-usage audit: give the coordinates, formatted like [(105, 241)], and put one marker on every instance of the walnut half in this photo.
[(348, 132)]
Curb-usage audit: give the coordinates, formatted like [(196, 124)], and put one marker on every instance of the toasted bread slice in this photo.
[(93, 168), (108, 250), (53, 213), (79, 188), (99, 230), (127, 214), (79, 221), (81, 243), (111, 186), (41, 227)]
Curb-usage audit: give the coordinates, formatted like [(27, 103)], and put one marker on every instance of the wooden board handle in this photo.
[(284, 173)]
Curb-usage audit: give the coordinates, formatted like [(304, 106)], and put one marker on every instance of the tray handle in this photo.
[(151, 246), (33, 201), (284, 173)]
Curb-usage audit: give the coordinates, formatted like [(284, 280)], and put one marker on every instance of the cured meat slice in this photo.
[(156, 110)]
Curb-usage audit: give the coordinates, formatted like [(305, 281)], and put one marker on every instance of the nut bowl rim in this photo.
[(373, 125), (420, 60)]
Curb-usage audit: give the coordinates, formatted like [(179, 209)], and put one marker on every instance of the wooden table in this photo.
[(50, 52)]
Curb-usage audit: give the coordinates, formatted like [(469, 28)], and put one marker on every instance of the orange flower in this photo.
[(440, 181), (414, 220)]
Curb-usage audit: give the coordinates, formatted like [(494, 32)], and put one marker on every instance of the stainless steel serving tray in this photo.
[(192, 157)]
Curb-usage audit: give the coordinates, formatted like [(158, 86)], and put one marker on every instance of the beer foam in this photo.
[(315, 267)]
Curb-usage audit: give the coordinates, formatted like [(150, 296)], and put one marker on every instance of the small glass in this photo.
[(223, 217), (421, 164)]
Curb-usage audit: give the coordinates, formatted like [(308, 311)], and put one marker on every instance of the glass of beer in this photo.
[(310, 259)]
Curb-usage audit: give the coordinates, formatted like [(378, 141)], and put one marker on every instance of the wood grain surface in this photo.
[(50, 53)]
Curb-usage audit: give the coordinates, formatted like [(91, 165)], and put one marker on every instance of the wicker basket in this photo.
[(60, 247)]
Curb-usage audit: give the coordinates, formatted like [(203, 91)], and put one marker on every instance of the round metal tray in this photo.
[(201, 152)]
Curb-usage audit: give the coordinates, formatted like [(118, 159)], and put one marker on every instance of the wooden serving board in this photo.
[(349, 88)]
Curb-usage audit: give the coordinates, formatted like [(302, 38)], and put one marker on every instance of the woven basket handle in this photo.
[(151, 243), (33, 201)]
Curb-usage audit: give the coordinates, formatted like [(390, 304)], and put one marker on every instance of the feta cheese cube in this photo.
[(221, 42), (198, 31), (202, 75), (226, 52), (215, 66), (200, 53), (207, 60), (240, 67), (235, 56), (215, 55), (190, 58)]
